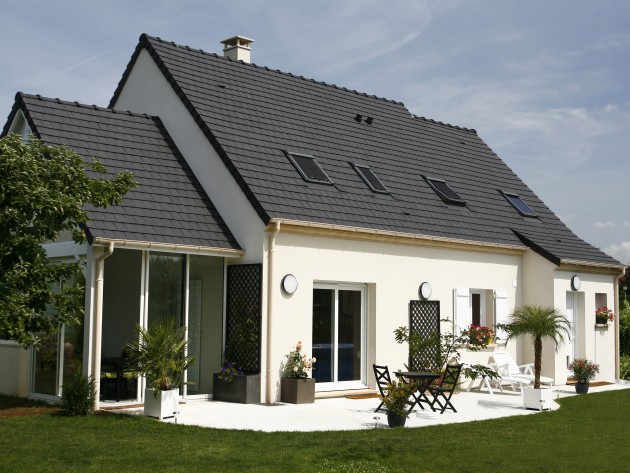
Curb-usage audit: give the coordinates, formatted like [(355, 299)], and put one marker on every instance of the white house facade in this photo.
[(256, 174)]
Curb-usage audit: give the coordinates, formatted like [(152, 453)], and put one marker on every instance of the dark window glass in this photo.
[(370, 179), (520, 205), (309, 168), (447, 194)]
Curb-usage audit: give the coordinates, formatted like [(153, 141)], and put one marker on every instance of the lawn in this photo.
[(589, 433)]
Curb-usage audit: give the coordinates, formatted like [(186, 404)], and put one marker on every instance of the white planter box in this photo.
[(163, 406), (538, 399)]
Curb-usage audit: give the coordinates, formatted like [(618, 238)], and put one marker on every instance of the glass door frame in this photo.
[(345, 385)]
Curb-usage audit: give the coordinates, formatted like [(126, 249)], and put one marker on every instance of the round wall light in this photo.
[(576, 283), (424, 291), (289, 284)]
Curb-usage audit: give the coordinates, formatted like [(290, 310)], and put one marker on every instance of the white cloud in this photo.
[(626, 224), (607, 224), (620, 252)]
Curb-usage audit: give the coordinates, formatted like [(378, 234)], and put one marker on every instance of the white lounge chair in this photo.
[(483, 380), (517, 374)]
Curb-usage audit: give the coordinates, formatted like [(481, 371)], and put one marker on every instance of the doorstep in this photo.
[(344, 393)]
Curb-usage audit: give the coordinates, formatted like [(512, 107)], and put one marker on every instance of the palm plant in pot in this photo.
[(584, 371), (159, 354), (396, 401), (537, 322)]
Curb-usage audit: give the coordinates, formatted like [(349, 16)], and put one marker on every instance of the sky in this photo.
[(546, 84)]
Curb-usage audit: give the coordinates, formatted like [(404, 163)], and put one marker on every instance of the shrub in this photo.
[(77, 397), (624, 367), (624, 329)]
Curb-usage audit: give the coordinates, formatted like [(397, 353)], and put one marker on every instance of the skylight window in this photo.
[(373, 182), (442, 189), (519, 204), (309, 168)]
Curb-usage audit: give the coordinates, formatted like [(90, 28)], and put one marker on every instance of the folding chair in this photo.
[(444, 391), (381, 373)]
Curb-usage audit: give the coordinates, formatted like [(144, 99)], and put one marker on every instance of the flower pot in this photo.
[(297, 391), (538, 399), (243, 389), (395, 420), (601, 320), (161, 405), (581, 388)]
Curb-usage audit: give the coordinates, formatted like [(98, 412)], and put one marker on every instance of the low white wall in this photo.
[(13, 369)]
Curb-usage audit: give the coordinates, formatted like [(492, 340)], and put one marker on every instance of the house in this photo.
[(291, 209)]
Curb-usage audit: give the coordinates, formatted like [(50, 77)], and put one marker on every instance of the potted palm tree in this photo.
[(538, 323), (159, 354)]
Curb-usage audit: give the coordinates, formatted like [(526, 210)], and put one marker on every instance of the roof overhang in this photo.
[(168, 247), (388, 236), (591, 267)]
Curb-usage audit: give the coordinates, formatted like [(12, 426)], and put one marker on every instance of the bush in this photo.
[(624, 367), (77, 397)]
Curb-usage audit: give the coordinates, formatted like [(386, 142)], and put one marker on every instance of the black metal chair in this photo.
[(443, 392), (381, 373)]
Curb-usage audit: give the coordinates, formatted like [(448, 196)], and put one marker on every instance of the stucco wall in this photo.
[(14, 369), (392, 273), (146, 91)]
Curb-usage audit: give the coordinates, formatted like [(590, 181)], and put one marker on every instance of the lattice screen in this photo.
[(243, 316), (424, 318)]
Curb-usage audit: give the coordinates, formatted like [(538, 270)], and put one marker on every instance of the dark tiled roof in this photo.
[(252, 115), (168, 206)]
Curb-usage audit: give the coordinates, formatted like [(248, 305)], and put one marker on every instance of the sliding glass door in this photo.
[(339, 336)]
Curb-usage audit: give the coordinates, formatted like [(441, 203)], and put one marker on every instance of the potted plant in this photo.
[(159, 354), (297, 387), (603, 315), (584, 371), (479, 336), (396, 401), (231, 384), (538, 323)]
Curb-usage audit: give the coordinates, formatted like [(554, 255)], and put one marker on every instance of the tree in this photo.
[(538, 322), (43, 192)]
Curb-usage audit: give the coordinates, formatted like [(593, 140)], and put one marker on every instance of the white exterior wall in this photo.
[(14, 369), (392, 273), (147, 91), (596, 344)]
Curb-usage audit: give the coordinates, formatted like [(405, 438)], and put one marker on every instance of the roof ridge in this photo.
[(83, 105), (430, 120), (146, 37)]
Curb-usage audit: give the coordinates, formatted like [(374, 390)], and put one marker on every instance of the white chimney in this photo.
[(237, 48)]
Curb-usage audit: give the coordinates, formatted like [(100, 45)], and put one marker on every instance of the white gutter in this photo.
[(270, 288), (616, 289), (98, 320), (171, 247)]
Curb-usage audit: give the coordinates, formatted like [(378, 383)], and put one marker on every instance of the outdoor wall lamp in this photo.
[(424, 291), (576, 283), (289, 284)]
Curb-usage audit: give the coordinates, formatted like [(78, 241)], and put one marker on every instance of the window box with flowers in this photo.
[(603, 315), (480, 336), (297, 387)]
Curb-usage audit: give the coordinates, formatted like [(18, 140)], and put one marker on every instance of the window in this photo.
[(20, 126), (309, 168), (519, 204), (339, 336), (442, 189), (373, 182)]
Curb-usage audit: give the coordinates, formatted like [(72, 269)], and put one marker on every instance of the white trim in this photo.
[(461, 310), (65, 248), (169, 247)]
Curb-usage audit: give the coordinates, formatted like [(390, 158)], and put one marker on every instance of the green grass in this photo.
[(589, 433)]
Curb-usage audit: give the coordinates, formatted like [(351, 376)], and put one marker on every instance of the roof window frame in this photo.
[(327, 181), (507, 196), (460, 201), (359, 170)]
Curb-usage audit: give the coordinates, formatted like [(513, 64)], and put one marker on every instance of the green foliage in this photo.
[(624, 367), (77, 397), (584, 370), (448, 346), (538, 323), (43, 192), (624, 329), (159, 354), (396, 399), (298, 365)]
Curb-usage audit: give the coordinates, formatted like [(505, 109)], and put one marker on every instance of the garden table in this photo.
[(421, 381)]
